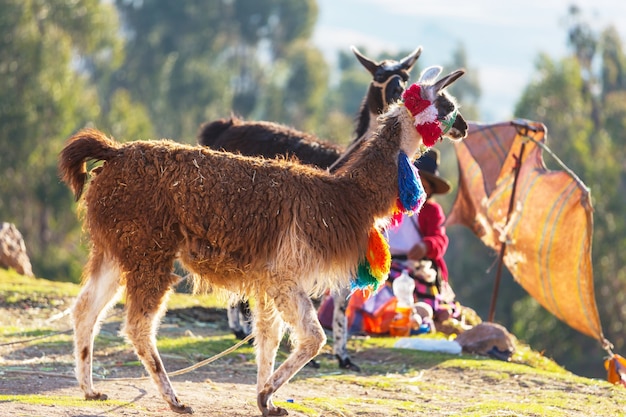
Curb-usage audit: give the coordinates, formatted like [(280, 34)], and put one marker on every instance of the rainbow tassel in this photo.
[(364, 278), (410, 189), (378, 254), (374, 269)]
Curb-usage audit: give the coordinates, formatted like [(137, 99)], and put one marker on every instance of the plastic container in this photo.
[(401, 325), (403, 288)]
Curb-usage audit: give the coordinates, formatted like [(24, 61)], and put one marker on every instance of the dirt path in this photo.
[(36, 380)]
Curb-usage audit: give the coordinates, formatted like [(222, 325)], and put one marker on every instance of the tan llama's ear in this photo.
[(429, 75), (408, 61), (448, 79), (369, 65)]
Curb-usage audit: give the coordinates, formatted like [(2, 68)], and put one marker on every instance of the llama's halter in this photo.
[(448, 121)]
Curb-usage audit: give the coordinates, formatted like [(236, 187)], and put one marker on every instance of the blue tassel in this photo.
[(410, 189)]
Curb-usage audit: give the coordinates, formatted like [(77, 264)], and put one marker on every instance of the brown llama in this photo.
[(274, 230), (271, 140)]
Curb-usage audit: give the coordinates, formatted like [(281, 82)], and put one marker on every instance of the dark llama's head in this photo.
[(389, 79)]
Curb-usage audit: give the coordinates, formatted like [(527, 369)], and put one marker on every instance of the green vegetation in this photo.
[(60, 401), (15, 288)]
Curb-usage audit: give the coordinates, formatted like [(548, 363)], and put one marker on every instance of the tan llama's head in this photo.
[(431, 111), (454, 126)]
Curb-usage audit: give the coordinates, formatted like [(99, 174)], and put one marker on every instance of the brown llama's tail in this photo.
[(87, 144), (210, 132)]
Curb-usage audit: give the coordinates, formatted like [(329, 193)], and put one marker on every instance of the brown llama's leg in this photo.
[(269, 329), (146, 296), (308, 338), (100, 291)]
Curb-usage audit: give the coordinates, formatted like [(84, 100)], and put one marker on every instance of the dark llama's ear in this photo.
[(448, 79), (369, 64), (408, 61)]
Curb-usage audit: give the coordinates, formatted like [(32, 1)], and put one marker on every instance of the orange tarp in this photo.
[(548, 235)]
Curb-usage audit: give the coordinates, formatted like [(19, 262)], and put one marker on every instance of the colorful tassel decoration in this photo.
[(378, 254), (364, 278), (374, 269), (410, 189), (430, 132)]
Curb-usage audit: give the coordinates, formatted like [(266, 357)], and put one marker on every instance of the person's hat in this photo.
[(428, 166)]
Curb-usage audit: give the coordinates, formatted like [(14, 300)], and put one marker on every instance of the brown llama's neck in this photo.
[(371, 173)]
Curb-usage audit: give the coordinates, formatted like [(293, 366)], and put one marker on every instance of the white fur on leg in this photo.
[(308, 338), (101, 291), (268, 332)]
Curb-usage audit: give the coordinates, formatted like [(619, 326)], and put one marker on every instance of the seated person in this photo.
[(419, 242)]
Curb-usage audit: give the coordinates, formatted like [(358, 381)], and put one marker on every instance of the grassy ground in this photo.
[(36, 376)]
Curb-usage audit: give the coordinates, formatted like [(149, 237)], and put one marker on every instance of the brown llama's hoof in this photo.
[(98, 396), (262, 402), (278, 411), (181, 409)]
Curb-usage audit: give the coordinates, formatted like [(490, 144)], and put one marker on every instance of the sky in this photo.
[(502, 38)]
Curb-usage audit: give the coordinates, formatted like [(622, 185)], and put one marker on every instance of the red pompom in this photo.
[(413, 99), (429, 132)]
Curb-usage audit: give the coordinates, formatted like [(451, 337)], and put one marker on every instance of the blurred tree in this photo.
[(467, 89), (197, 60), (354, 80), (297, 89), (48, 50), (344, 100)]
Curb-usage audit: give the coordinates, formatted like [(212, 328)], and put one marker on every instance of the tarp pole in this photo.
[(496, 285)]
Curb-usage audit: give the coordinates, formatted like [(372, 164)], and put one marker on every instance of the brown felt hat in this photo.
[(428, 166)]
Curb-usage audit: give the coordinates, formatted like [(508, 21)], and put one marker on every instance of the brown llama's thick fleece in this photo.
[(272, 229), (227, 215)]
